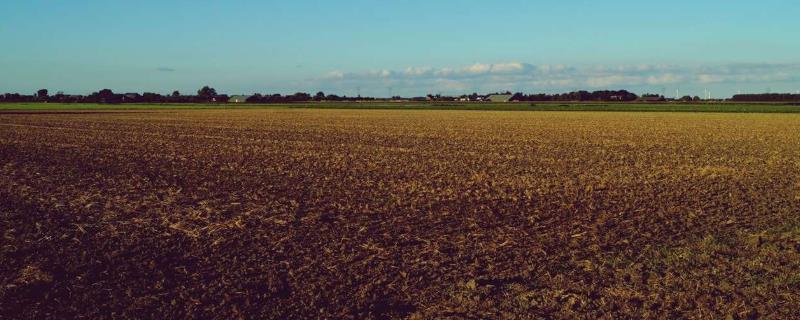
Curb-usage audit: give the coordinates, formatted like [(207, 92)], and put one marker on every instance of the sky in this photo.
[(394, 47)]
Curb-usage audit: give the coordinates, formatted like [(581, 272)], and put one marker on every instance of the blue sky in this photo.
[(403, 47)]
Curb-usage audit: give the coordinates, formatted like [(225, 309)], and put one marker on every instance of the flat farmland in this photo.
[(309, 213)]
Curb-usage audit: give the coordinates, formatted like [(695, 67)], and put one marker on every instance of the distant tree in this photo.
[(58, 97), (151, 97), (255, 98), (206, 93), (222, 98), (41, 94), (300, 96), (767, 97), (106, 96), (319, 96), (176, 93), (273, 98)]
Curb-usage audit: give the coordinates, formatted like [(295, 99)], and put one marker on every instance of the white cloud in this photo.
[(526, 77), (710, 78), (612, 80), (513, 67), (334, 75), (729, 77), (478, 68), (666, 78), (547, 69), (417, 71), (451, 85), (553, 83)]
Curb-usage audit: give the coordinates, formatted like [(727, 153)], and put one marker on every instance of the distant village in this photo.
[(210, 95)]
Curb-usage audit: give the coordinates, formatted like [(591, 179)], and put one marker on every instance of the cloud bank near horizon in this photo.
[(526, 77)]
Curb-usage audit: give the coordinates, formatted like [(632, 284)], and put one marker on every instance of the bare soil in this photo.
[(372, 214)]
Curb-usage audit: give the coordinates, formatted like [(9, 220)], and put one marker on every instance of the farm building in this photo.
[(238, 99), (500, 97)]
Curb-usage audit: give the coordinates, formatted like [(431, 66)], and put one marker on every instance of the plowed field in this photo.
[(398, 214)]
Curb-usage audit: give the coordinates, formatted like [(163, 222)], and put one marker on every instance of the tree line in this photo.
[(582, 95), (208, 94), (767, 97), (204, 95)]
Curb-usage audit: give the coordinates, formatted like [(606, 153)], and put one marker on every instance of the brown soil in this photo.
[(399, 214)]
